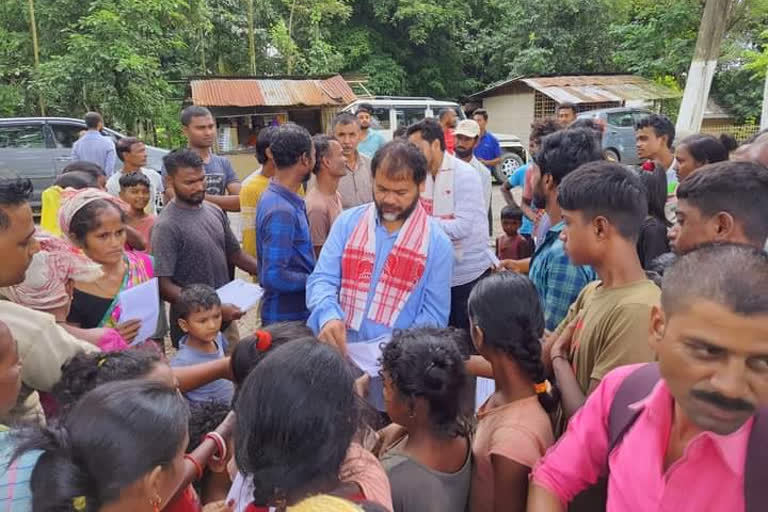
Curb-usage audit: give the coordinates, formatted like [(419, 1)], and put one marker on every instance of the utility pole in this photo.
[(251, 39), (703, 66), (36, 52)]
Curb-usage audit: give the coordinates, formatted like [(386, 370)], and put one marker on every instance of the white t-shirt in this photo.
[(156, 188)]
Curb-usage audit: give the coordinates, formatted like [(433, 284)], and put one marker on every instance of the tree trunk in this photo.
[(36, 52), (251, 37), (764, 115)]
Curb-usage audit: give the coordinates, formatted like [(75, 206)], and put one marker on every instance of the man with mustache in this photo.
[(467, 135), (687, 433), (192, 241), (385, 265)]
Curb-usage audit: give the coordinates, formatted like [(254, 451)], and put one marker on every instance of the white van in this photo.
[(392, 112)]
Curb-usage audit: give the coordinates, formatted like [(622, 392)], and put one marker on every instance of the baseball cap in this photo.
[(467, 128)]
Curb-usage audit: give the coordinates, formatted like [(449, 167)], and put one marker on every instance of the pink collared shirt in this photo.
[(709, 475)]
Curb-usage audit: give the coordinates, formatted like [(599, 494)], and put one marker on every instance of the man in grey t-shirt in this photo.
[(191, 240)]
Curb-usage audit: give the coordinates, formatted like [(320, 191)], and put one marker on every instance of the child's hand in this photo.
[(511, 265), (128, 330)]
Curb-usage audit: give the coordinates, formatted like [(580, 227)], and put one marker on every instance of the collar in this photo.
[(732, 449), (358, 162), (292, 197), (448, 162), (557, 228)]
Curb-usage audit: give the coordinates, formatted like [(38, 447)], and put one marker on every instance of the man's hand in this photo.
[(562, 346), (334, 333), (128, 330), (511, 265), (230, 312)]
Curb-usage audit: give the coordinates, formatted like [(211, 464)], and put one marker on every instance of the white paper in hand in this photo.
[(141, 302), (483, 390), (365, 354), (240, 293)]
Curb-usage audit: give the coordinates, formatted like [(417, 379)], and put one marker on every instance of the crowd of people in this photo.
[(622, 318)]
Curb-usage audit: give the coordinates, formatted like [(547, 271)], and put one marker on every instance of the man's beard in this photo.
[(191, 200), (394, 217), (539, 199), (464, 154)]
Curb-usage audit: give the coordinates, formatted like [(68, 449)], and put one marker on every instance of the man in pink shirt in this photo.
[(685, 448)]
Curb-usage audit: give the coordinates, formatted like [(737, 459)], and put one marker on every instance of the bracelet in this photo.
[(221, 446), (198, 467)]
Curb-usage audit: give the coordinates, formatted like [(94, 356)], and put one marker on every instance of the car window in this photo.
[(65, 135), (639, 115), (380, 118), (406, 116), (22, 136), (621, 119)]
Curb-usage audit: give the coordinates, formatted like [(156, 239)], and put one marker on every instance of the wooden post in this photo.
[(36, 52), (703, 66)]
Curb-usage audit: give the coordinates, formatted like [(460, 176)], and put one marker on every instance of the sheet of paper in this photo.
[(242, 294), (483, 389), (365, 356), (141, 302), (492, 257)]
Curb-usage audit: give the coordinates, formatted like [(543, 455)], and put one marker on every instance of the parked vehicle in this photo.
[(40, 147), (392, 112), (619, 136)]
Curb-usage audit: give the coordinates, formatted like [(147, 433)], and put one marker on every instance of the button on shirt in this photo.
[(556, 279), (96, 148), (709, 476), (356, 187), (430, 300), (488, 147), (286, 256)]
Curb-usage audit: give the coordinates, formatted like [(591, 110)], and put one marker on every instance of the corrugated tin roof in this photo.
[(591, 88), (250, 92)]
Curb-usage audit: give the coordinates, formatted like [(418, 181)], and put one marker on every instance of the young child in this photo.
[(511, 245), (199, 310), (134, 190), (513, 427)]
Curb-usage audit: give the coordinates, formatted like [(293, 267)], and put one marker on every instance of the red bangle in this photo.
[(198, 467), (221, 446)]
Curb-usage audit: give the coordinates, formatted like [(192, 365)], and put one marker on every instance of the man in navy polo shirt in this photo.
[(487, 150)]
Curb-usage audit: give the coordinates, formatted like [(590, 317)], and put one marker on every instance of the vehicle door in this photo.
[(25, 151), (64, 135), (620, 135)]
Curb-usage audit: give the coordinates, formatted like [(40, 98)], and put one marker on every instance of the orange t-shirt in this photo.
[(520, 431)]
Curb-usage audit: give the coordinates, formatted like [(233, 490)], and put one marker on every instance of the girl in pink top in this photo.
[(513, 428)]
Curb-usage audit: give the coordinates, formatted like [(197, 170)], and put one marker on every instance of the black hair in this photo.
[(109, 439), (364, 107), (295, 418), (567, 106), (540, 128), (400, 133), (91, 168), (430, 130), (661, 126), (194, 298), (194, 111), (423, 365), (739, 188), (133, 179), (506, 307), (654, 185), (289, 143), (732, 275), (204, 417), (263, 142), (246, 354), (77, 180), (565, 150), (124, 146), (444, 112), (591, 125), (606, 189), (84, 372), (343, 119), (92, 120), (402, 158), (13, 192), (87, 218), (511, 212), (181, 158), (480, 112), (322, 147), (707, 148), (659, 265)]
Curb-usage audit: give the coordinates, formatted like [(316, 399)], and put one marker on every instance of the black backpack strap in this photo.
[(636, 386), (755, 482)]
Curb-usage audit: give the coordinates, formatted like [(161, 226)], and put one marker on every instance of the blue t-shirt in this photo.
[(518, 180), (488, 147), (218, 175), (220, 390), (371, 144)]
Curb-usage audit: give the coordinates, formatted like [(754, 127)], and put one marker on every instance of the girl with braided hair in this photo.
[(513, 428)]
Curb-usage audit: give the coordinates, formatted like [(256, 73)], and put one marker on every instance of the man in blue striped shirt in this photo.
[(283, 241), (94, 147)]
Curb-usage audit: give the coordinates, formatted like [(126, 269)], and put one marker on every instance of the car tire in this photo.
[(509, 164), (612, 155)]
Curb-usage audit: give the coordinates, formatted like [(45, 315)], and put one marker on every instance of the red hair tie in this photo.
[(263, 340), (649, 166)]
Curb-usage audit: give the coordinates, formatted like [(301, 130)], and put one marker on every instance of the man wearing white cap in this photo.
[(467, 134)]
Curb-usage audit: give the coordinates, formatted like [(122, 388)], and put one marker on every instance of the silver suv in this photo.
[(39, 148)]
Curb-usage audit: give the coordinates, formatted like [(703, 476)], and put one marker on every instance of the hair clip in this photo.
[(648, 166), (263, 340), (78, 503), (542, 387), (102, 360)]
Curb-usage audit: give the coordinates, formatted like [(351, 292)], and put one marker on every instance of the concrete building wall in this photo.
[(511, 114)]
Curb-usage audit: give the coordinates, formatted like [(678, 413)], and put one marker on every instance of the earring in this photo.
[(155, 502)]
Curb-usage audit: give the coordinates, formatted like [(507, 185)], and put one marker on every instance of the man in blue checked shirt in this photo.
[(283, 241)]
